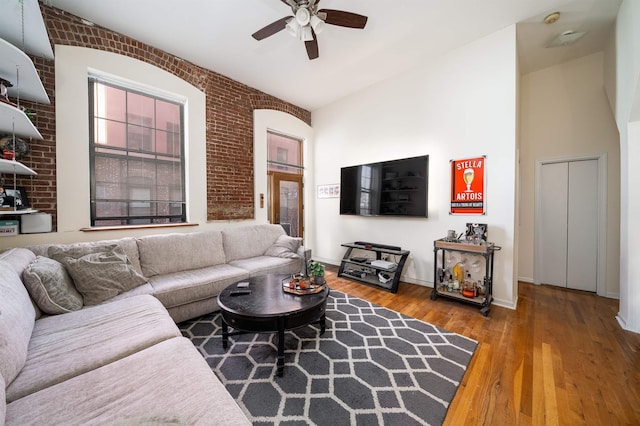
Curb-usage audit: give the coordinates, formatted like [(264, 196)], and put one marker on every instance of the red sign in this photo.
[(467, 186)]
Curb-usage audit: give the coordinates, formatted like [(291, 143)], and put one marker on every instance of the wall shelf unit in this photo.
[(22, 30), (33, 37), (14, 121), (12, 167), (17, 68)]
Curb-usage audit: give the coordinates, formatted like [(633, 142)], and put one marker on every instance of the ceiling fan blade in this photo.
[(291, 3), (312, 47), (271, 29), (344, 19)]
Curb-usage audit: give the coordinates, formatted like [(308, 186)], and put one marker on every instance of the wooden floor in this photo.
[(559, 359)]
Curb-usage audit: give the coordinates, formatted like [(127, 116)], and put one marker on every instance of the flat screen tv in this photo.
[(389, 188)]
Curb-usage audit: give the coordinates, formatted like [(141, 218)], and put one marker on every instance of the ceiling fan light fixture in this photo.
[(303, 16), (293, 28), (306, 34), (317, 24)]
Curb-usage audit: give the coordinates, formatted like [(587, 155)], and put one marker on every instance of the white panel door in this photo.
[(582, 232), (553, 215)]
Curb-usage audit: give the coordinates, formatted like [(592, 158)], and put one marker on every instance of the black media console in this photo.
[(383, 270)]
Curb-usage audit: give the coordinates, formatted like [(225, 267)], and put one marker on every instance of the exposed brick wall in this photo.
[(229, 115)]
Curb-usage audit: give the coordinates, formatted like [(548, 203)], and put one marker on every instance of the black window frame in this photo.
[(153, 217)]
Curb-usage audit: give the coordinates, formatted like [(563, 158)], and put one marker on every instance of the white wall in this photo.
[(457, 106), (627, 101), (565, 114)]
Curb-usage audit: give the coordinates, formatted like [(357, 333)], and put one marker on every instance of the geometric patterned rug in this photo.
[(372, 366)]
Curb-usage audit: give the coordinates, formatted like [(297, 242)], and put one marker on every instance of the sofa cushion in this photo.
[(17, 316), (249, 241), (184, 287), (20, 258), (285, 246), (167, 383), (262, 265), (99, 272), (17, 258), (51, 287), (65, 346), (168, 253)]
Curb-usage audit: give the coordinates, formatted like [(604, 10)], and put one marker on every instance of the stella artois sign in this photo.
[(468, 186)]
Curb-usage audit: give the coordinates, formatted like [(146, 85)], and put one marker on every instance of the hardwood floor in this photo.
[(559, 359)]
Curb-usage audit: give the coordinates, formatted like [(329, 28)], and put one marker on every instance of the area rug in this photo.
[(372, 366)]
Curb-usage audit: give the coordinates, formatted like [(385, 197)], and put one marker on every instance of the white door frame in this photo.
[(602, 217)]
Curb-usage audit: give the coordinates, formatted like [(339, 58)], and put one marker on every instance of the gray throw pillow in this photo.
[(62, 253), (51, 287), (99, 275), (285, 246)]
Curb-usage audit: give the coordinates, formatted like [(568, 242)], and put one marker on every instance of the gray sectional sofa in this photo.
[(88, 331)]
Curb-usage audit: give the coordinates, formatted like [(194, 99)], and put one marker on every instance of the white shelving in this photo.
[(13, 167), (22, 30), (17, 68), (17, 212), (12, 120), (33, 39)]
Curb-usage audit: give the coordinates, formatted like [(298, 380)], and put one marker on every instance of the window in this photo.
[(284, 154), (137, 157)]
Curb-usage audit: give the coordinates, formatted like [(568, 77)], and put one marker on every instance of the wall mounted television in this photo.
[(388, 188)]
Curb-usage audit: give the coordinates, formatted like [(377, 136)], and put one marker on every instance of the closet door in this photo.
[(553, 215), (569, 224), (582, 241)]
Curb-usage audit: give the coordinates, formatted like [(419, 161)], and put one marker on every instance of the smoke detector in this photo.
[(566, 38)]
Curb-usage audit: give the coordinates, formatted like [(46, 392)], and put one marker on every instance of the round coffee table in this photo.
[(269, 309)]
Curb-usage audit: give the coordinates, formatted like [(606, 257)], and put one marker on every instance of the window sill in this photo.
[(118, 228)]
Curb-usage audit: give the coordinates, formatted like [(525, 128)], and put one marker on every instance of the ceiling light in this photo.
[(306, 34), (293, 28), (566, 38), (317, 24), (552, 18), (303, 16)]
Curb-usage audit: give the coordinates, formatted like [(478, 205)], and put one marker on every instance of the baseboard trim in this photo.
[(505, 304)]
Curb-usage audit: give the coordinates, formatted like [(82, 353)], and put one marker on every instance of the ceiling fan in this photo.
[(307, 21)]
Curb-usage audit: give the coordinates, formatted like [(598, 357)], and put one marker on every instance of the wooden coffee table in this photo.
[(269, 309)]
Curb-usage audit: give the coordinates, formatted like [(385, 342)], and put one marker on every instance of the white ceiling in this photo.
[(216, 34)]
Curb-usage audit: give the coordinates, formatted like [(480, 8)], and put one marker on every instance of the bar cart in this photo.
[(477, 284)]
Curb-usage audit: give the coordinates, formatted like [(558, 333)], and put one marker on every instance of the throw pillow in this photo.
[(285, 246), (62, 253), (50, 286), (99, 275)]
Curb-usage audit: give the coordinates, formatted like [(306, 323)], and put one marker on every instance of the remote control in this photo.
[(240, 292)]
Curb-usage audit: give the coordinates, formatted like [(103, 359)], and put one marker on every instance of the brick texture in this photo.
[(229, 119)]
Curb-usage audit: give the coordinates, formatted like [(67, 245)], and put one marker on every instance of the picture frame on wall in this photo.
[(468, 189), (16, 197), (328, 191)]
